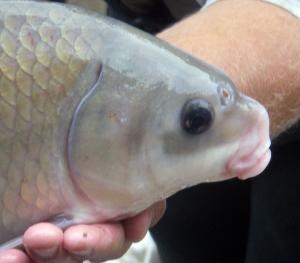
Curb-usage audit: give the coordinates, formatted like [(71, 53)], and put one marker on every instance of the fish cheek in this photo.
[(181, 144)]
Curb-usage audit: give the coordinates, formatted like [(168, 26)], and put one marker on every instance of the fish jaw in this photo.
[(253, 154)]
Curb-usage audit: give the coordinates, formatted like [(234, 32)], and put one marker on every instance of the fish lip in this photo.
[(253, 153), (251, 163)]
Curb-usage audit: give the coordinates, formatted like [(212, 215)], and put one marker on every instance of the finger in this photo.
[(43, 242), (96, 242), (136, 227), (159, 210), (13, 256)]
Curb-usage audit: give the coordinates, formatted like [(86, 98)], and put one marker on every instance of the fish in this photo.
[(99, 120)]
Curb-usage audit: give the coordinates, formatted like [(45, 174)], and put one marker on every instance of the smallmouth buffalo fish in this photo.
[(99, 120)]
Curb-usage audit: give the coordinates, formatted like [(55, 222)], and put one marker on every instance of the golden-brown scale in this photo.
[(43, 54)]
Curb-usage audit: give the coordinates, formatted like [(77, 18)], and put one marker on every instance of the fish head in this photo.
[(144, 134), (209, 135)]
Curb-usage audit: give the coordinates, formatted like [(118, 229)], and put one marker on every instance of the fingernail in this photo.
[(46, 253), (82, 253)]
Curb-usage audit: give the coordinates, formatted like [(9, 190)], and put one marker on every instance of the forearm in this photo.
[(256, 44)]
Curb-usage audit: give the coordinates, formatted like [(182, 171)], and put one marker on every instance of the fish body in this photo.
[(99, 120)]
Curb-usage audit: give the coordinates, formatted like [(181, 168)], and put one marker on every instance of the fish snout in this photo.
[(253, 153)]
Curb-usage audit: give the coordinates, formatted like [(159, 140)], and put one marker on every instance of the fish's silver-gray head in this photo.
[(203, 131), (148, 131)]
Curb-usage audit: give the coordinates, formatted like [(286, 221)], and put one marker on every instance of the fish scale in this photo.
[(99, 120), (40, 64)]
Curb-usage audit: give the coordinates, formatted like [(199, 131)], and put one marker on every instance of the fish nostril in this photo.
[(226, 94)]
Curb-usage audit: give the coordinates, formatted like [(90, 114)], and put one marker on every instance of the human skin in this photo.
[(258, 45), (45, 243)]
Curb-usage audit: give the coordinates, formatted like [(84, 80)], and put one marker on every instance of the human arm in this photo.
[(257, 44)]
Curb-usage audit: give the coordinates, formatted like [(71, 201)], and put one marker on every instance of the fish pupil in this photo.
[(197, 116)]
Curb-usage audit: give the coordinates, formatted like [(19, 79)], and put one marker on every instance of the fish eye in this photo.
[(197, 116)]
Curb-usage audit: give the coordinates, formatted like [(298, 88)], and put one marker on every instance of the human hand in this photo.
[(45, 242)]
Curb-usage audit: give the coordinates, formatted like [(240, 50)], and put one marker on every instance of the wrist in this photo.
[(256, 44)]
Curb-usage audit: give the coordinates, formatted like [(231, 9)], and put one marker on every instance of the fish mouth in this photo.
[(253, 153), (251, 163)]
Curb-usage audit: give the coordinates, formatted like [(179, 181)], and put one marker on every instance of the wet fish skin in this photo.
[(40, 64), (89, 118)]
